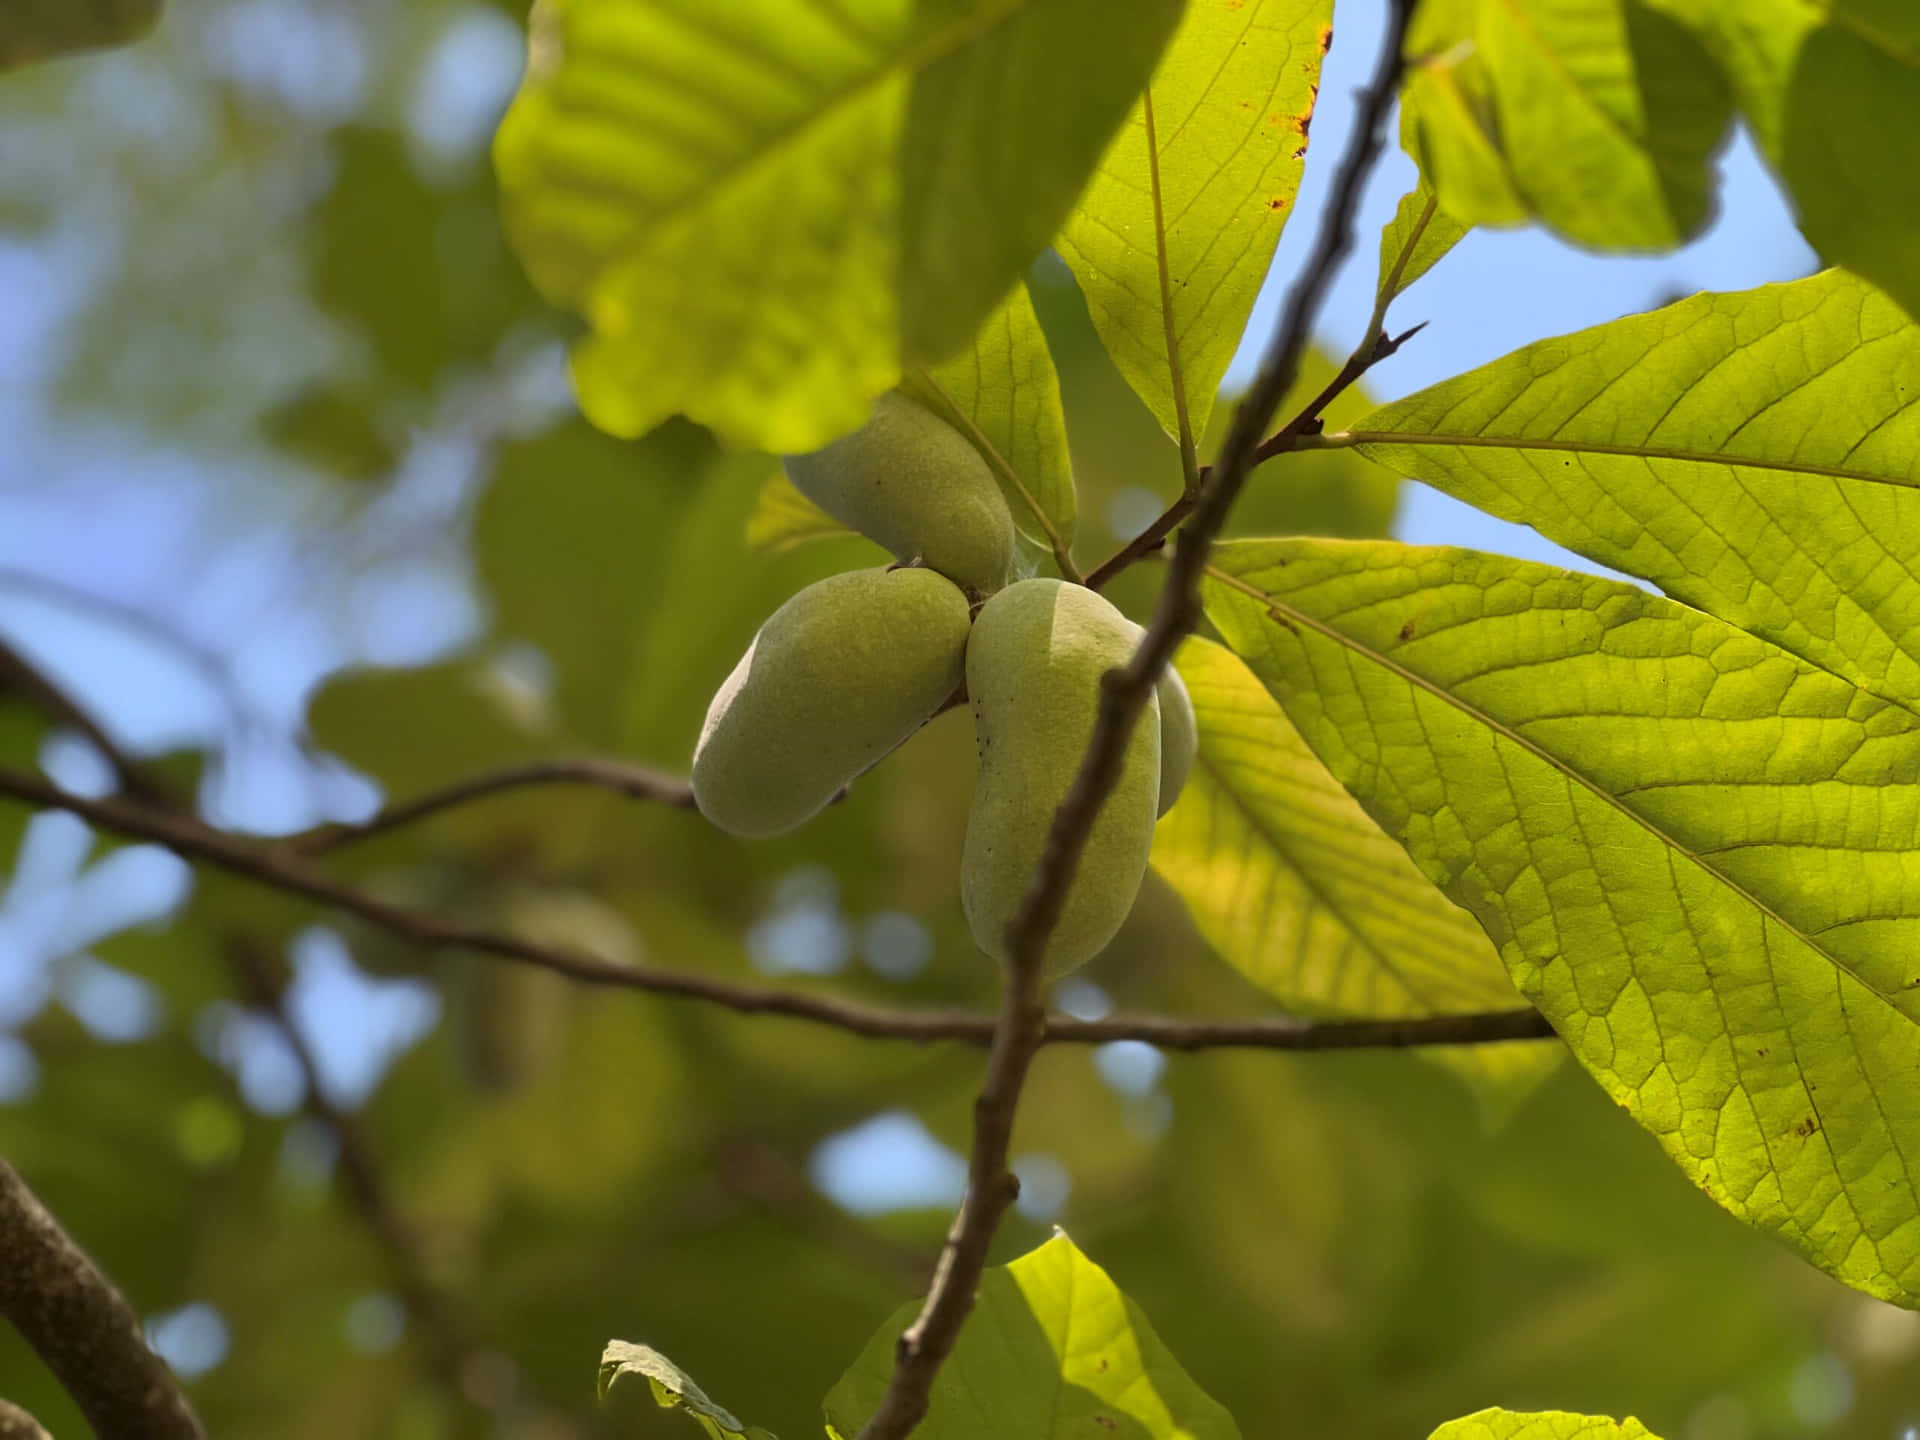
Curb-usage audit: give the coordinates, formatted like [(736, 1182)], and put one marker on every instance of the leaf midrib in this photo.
[(1281, 609), (1359, 439)]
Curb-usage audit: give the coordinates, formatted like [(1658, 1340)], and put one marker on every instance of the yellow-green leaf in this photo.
[(1294, 886), (1003, 393), (1540, 1425), (1052, 1350), (1414, 241), (1755, 454), (767, 209), (1692, 848), (1173, 237), (637, 1379), (1599, 116)]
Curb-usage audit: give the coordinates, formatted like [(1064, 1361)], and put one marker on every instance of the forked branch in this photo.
[(1022, 1029)]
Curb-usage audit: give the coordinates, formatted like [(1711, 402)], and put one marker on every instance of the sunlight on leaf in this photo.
[(1003, 394), (636, 1380), (1172, 239), (767, 209), (1681, 838), (1292, 884), (1414, 241), (1053, 1349), (1598, 116), (1540, 1425), (783, 518), (1755, 454)]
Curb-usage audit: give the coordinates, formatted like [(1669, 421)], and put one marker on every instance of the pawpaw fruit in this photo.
[(837, 677), (1034, 663), (910, 481)]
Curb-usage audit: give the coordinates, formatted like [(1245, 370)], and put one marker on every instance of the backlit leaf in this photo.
[(1540, 1425), (635, 1379), (1172, 239), (1692, 848), (1053, 1349), (1755, 454), (767, 209)]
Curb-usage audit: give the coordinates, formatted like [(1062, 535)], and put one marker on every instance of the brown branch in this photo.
[(263, 986), (21, 676), (82, 1327), (261, 862), (631, 780), (1021, 1031)]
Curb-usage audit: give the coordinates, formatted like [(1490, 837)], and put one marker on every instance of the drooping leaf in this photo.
[(767, 210), (1599, 116), (783, 518), (1832, 90), (1173, 237), (1414, 241), (1296, 888), (1755, 454), (1540, 1425), (1682, 839), (1002, 392), (1052, 1349), (636, 1380), (41, 29)]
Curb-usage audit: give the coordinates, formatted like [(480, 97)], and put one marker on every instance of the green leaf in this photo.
[(1053, 1349), (1832, 89), (1540, 1425), (1413, 242), (634, 1379), (1599, 116), (41, 29), (766, 210), (1754, 454), (1004, 395), (1292, 884), (1682, 839), (783, 518), (1172, 239)]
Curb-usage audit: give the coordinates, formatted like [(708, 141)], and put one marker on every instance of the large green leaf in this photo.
[(1540, 1425), (1296, 888), (767, 209), (1173, 237), (1599, 116), (41, 29), (1693, 849), (1832, 89), (1053, 1349), (1002, 392), (637, 1379), (1755, 454)]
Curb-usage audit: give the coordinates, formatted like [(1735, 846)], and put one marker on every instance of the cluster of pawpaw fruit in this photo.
[(853, 665)]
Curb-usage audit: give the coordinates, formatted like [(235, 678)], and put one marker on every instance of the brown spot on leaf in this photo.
[(1303, 122), (1282, 621), (1277, 203), (1301, 153), (1326, 38), (1806, 1127), (1106, 1422), (1406, 631)]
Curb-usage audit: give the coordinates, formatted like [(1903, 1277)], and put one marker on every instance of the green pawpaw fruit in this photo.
[(910, 481), (838, 676), (1034, 664)]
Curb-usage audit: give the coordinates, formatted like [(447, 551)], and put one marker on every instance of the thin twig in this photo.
[(20, 675), (82, 1327), (262, 863), (264, 988), (624, 779), (991, 1186)]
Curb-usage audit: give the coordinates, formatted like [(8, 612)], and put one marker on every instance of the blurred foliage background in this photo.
[(295, 502)]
